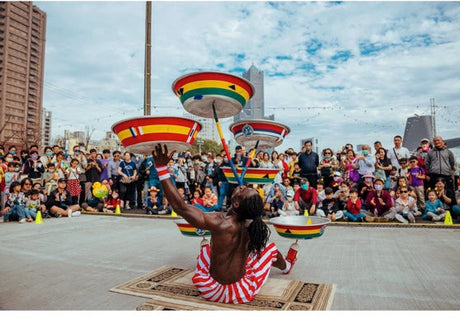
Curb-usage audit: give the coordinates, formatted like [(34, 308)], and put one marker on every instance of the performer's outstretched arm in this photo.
[(195, 216)]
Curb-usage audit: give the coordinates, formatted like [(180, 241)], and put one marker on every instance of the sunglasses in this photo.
[(404, 192), (327, 153)]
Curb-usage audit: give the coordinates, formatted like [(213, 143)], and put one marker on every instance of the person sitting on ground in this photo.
[(234, 267), (456, 206), (445, 195), (50, 178), (153, 205), (42, 197), (289, 207), (320, 194), (93, 204), (330, 208), (196, 197), (33, 205), (402, 182), (342, 195), (305, 198), (379, 204), (59, 202), (434, 209), (210, 201), (365, 187), (112, 202), (405, 206), (353, 210), (15, 205), (276, 200)]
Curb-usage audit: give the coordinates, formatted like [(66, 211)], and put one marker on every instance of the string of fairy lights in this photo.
[(384, 117)]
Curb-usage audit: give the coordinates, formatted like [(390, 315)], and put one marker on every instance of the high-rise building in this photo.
[(254, 108), (208, 129), (46, 128), (22, 57)]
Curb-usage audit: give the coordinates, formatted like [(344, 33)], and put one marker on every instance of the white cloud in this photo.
[(95, 62)]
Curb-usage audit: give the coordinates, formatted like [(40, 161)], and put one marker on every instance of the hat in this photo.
[(62, 180), (290, 193), (368, 174), (425, 140), (337, 173), (153, 189), (379, 179)]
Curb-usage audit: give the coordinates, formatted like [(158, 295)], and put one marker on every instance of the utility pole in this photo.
[(433, 115), (147, 65)]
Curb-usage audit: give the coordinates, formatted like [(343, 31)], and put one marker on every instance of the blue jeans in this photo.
[(353, 218), (223, 190), (455, 211), (30, 213), (15, 213), (214, 208)]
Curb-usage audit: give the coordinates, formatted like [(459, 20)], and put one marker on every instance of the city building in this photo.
[(46, 127), (208, 130), (254, 108), (22, 54)]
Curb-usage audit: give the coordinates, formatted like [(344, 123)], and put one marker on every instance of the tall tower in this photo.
[(46, 128), (417, 128), (22, 57), (254, 108)]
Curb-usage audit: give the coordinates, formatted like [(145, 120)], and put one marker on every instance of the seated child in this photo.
[(153, 206), (50, 178), (342, 195), (330, 206), (405, 206), (210, 201), (34, 204), (15, 205), (197, 198), (113, 201), (353, 209), (289, 207), (434, 209)]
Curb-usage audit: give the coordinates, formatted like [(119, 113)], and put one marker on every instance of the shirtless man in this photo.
[(233, 268)]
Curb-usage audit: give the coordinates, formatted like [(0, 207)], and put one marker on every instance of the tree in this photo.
[(207, 146)]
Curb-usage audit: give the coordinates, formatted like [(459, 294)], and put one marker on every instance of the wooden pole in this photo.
[(147, 65)]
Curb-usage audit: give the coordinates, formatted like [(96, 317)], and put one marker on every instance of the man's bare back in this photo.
[(229, 233)]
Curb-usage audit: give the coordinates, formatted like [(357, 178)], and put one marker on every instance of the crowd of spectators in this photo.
[(382, 184)]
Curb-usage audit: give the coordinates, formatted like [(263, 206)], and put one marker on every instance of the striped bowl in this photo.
[(296, 226), (200, 90), (253, 175), (268, 133), (188, 230), (141, 134)]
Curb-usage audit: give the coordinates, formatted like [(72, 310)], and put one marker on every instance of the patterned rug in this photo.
[(171, 288)]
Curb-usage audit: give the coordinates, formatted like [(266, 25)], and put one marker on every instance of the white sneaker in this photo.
[(23, 220), (401, 219), (411, 218), (76, 213)]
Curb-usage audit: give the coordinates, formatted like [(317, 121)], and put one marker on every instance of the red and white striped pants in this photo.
[(242, 291)]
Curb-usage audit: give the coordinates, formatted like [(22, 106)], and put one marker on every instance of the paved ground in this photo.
[(70, 264)]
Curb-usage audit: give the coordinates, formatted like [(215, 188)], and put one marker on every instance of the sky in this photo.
[(342, 72)]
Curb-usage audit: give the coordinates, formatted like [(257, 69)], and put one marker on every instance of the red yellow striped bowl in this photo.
[(254, 175), (297, 227), (268, 133), (188, 230), (200, 90), (141, 134)]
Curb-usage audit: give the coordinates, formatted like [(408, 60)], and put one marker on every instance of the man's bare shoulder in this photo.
[(218, 221)]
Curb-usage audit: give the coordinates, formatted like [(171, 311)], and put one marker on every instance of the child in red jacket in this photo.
[(353, 212)]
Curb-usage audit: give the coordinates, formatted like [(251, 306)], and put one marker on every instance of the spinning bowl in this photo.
[(188, 230), (253, 175), (141, 134), (297, 227), (268, 133), (199, 91)]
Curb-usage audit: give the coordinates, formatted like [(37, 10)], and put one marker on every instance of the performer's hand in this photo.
[(160, 157)]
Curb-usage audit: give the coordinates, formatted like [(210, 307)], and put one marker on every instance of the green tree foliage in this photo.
[(208, 146)]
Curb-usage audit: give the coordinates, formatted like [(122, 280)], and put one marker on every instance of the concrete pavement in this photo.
[(71, 263)]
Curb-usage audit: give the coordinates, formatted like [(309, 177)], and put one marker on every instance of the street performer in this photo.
[(237, 262)]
